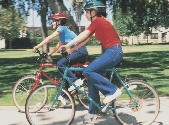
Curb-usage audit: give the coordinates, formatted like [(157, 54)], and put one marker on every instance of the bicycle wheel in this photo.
[(148, 104), (21, 91), (81, 98), (59, 114)]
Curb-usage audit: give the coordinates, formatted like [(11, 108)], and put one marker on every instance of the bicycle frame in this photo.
[(41, 72), (113, 72)]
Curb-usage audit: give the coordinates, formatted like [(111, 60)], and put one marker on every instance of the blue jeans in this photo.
[(95, 71), (75, 57)]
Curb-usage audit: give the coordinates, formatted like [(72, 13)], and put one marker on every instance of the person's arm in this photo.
[(56, 48), (79, 45), (47, 39), (81, 37)]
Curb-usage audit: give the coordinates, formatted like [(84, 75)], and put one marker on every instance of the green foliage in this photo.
[(11, 23), (93, 42), (21, 43), (77, 3), (135, 16), (125, 23), (36, 32)]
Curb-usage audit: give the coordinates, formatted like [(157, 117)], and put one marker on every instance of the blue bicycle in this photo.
[(138, 104)]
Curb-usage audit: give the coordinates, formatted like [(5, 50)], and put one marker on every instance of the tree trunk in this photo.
[(58, 6), (44, 10)]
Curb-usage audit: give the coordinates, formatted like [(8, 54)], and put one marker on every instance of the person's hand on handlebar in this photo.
[(49, 54), (35, 49), (63, 47)]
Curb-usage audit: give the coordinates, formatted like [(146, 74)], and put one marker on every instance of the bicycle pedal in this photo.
[(100, 113)]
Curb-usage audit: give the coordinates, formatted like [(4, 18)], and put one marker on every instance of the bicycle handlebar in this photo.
[(64, 53), (44, 56)]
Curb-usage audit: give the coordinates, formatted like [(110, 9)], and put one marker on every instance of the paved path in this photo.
[(10, 116)]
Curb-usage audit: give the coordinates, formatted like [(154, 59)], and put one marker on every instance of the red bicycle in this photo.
[(25, 85)]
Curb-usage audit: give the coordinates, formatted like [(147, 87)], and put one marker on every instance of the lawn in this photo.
[(145, 62)]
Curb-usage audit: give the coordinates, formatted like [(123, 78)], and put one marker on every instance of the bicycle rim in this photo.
[(147, 110), (60, 114), (21, 91)]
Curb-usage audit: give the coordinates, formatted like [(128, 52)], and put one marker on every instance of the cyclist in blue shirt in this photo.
[(65, 36)]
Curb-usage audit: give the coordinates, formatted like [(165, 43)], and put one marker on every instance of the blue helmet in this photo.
[(96, 5)]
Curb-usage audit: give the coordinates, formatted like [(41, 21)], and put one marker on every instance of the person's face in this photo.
[(93, 13), (55, 23)]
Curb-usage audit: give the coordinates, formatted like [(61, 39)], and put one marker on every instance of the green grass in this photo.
[(147, 62)]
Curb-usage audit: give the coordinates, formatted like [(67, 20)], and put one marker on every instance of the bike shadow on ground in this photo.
[(80, 108), (100, 120)]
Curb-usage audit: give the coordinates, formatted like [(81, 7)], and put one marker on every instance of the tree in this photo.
[(140, 15), (11, 23), (78, 9)]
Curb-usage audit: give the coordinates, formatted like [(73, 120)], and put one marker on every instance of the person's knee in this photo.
[(86, 72), (61, 63)]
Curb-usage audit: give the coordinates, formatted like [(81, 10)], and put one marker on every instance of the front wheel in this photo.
[(145, 111), (60, 112)]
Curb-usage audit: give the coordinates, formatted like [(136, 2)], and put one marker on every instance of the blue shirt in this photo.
[(66, 35)]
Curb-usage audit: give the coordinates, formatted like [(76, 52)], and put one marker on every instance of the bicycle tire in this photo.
[(59, 114), (147, 110), (21, 90)]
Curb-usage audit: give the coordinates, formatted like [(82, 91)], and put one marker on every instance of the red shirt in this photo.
[(104, 32)]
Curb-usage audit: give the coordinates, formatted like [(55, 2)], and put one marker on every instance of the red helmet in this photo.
[(59, 16)]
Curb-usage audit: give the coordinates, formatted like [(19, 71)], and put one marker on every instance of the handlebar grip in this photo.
[(63, 49), (37, 50)]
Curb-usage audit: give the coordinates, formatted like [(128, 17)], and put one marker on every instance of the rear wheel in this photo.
[(148, 104), (60, 113), (21, 91)]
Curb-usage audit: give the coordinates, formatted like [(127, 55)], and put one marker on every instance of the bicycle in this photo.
[(138, 99), (27, 84)]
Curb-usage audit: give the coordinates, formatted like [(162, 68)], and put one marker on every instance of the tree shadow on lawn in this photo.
[(7, 50), (147, 66)]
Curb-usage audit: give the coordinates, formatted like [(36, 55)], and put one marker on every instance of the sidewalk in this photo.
[(9, 115)]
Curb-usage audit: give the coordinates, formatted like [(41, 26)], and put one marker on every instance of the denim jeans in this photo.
[(75, 57), (95, 71)]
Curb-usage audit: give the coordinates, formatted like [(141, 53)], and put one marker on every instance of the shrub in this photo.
[(21, 43), (93, 42)]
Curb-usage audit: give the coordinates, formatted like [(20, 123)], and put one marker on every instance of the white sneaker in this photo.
[(63, 101), (109, 98), (78, 82)]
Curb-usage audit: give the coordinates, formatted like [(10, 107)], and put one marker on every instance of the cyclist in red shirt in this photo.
[(112, 54)]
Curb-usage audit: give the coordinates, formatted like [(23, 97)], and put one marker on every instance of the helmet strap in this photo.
[(57, 25), (91, 17)]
